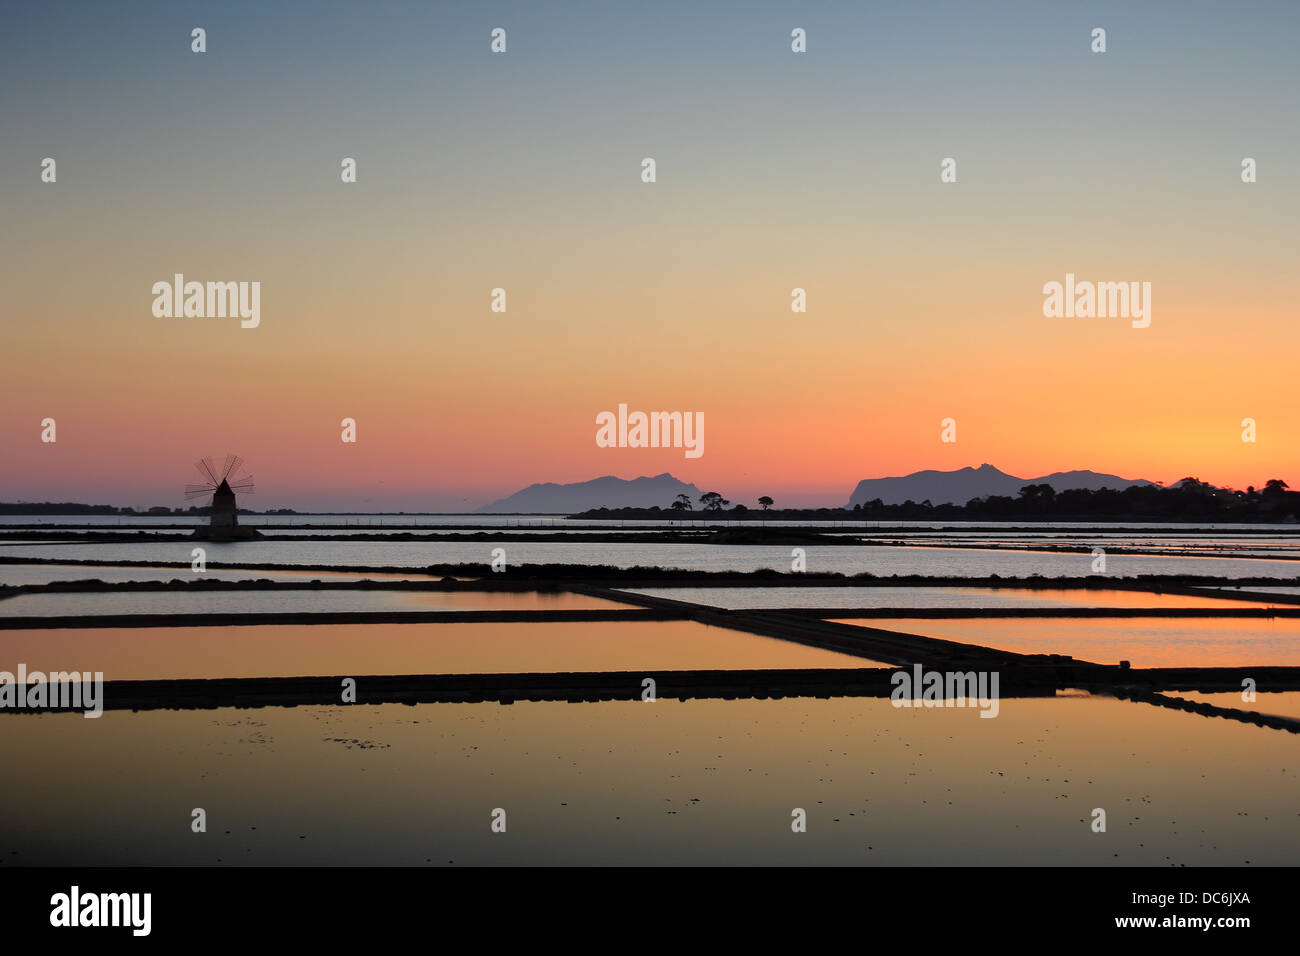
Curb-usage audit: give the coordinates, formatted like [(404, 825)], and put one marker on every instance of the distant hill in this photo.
[(959, 487), (607, 492)]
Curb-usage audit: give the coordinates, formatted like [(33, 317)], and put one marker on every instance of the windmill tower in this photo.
[(222, 484)]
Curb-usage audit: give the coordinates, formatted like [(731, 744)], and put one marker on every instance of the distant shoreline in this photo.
[(667, 520), (938, 514), (1190, 501)]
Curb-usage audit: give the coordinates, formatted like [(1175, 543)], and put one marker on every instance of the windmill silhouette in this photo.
[(221, 484)]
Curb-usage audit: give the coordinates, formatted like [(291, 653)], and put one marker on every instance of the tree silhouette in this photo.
[(713, 501), (1039, 492), (682, 503), (766, 502)]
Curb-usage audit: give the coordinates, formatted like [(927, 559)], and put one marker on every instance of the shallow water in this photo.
[(1145, 642), (18, 574), (694, 782), (381, 649), (846, 559), (256, 601), (271, 602), (850, 597), (671, 782)]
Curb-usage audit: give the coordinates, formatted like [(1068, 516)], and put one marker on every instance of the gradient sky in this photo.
[(522, 171)]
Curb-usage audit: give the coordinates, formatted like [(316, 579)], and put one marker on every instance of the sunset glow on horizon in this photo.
[(522, 172)]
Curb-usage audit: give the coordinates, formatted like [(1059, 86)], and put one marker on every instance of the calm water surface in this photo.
[(848, 559), (377, 649), (1145, 642), (693, 782)]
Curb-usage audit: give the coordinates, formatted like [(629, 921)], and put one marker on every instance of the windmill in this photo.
[(221, 484)]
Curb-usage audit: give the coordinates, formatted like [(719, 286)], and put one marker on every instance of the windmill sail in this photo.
[(220, 486), (213, 478)]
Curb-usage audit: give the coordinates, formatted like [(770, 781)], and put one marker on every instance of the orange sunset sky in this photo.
[(522, 171)]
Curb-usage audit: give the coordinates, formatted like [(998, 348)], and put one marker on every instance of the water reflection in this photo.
[(374, 649), (696, 782)]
